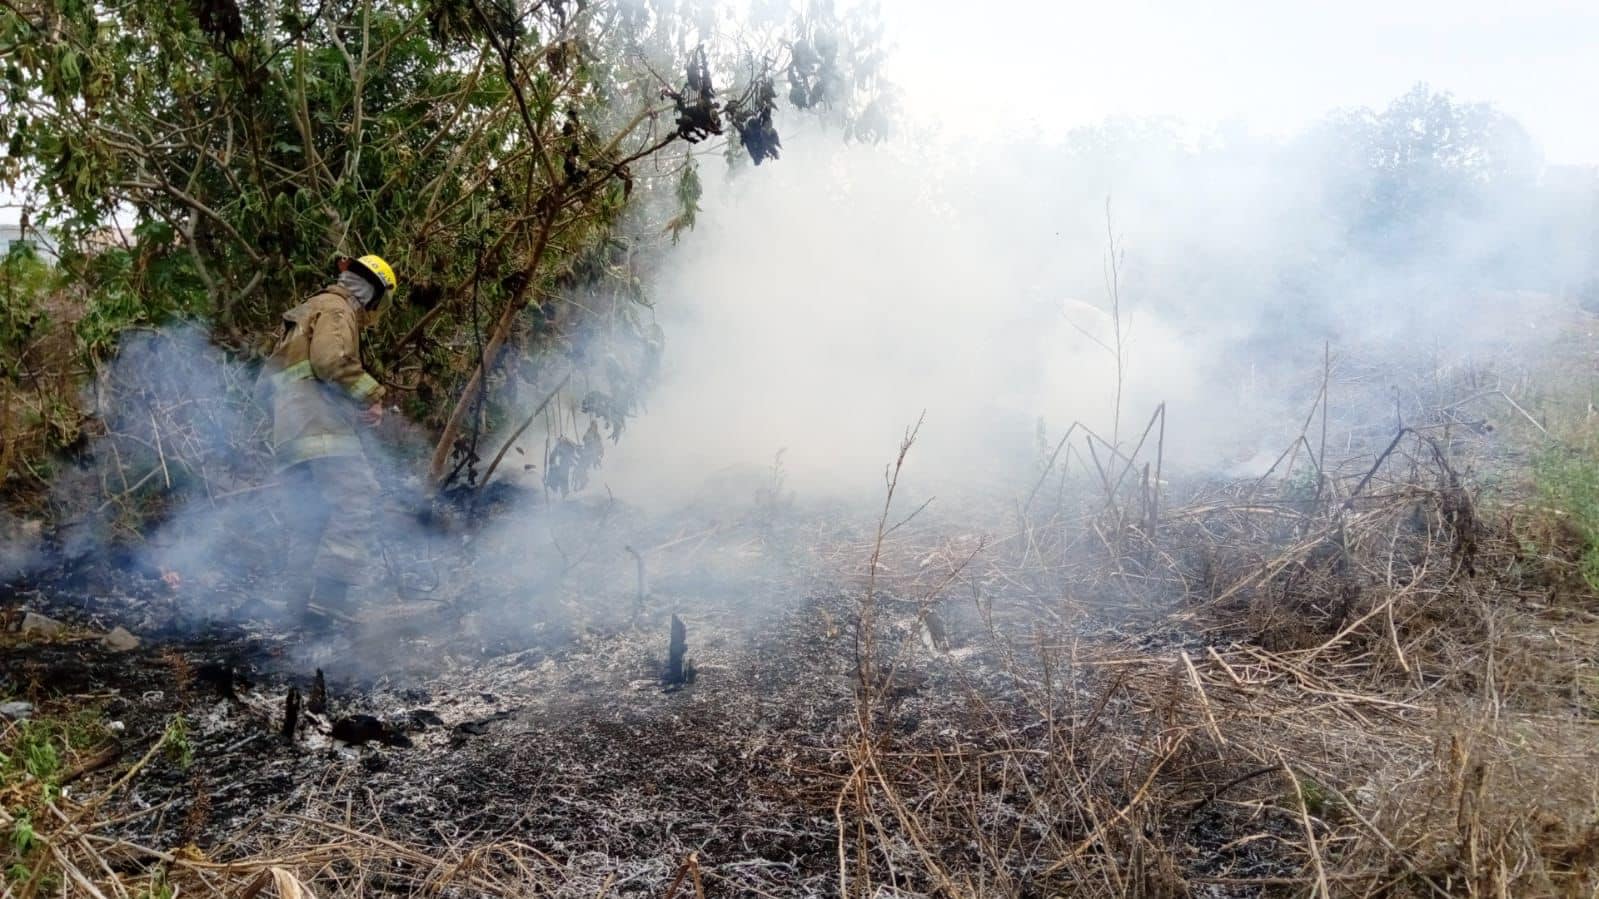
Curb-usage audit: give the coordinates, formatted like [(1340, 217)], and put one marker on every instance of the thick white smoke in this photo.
[(830, 297)]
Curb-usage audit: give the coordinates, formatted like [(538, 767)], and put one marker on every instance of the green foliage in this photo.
[(1567, 481), (1443, 193), (40, 757), (503, 156), (18, 873), (25, 282), (175, 744), (1301, 485), (159, 888), (1425, 162), (22, 847), (689, 192), (34, 757), (22, 837), (33, 752), (85, 728), (1319, 801), (38, 746)]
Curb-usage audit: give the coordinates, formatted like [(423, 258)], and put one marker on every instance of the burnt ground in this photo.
[(579, 752), (544, 722), (1122, 724), (1229, 713)]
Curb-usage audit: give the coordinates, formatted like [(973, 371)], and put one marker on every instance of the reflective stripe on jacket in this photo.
[(316, 379)]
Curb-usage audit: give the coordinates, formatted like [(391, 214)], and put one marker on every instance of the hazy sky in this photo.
[(1271, 65), (975, 68)]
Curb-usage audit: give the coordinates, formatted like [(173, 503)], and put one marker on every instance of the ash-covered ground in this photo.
[(1117, 683), (532, 710)]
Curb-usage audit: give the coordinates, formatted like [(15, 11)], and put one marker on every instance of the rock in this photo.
[(16, 711), (119, 640), (40, 626)]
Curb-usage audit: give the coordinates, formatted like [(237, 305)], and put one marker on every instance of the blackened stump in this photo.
[(291, 713), (221, 677), (679, 669), (317, 703)]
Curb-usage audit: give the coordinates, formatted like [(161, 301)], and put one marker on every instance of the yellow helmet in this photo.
[(380, 273)]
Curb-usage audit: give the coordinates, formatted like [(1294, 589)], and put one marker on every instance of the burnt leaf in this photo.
[(752, 119)]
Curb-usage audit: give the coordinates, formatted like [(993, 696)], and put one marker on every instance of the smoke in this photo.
[(821, 306), (826, 301), (997, 290), (177, 510)]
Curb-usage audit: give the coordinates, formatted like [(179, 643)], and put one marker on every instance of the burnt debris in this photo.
[(698, 113), (317, 702), (291, 713), (679, 668), (422, 719), (358, 730), (478, 728), (221, 677), (643, 589), (752, 119)]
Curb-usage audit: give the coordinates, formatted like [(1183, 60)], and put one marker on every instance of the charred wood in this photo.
[(358, 730), (101, 759), (679, 668), (638, 606), (291, 713), (221, 677), (317, 703), (477, 728)]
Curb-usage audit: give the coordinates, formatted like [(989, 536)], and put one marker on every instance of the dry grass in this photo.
[(1340, 682), (69, 852), (1350, 679), (1380, 692)]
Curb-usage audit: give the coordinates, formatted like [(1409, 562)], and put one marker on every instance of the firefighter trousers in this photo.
[(330, 509)]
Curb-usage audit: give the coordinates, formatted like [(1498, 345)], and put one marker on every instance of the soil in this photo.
[(547, 722)]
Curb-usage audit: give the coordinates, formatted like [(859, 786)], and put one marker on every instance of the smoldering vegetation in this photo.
[(1367, 668), (1008, 291), (1211, 568)]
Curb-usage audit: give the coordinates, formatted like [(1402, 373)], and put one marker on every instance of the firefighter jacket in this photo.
[(316, 380)]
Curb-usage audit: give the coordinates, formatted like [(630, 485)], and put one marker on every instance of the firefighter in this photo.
[(320, 394)]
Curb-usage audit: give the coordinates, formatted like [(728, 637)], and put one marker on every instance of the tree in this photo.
[(1426, 162), (505, 154)]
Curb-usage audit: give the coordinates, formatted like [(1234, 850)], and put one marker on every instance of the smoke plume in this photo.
[(824, 303)]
